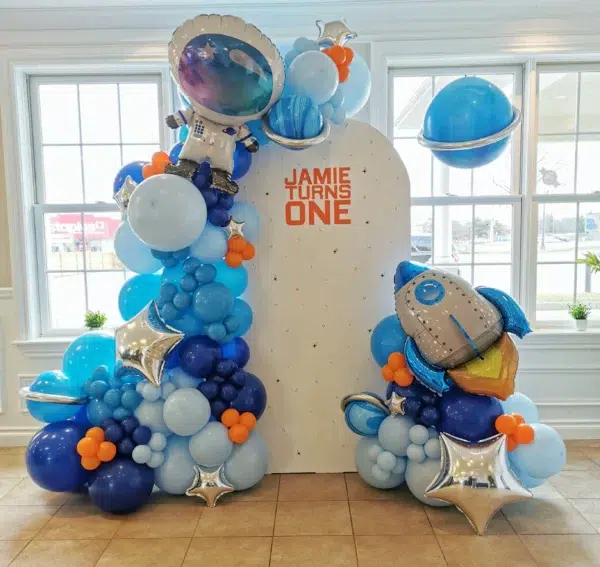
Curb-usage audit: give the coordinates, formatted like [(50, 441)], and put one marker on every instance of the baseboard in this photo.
[(575, 428), (16, 436)]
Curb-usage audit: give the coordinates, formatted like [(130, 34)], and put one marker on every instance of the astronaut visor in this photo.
[(226, 75)]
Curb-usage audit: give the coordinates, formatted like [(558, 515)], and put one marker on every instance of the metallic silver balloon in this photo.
[(334, 33), (123, 195), (144, 343), (476, 479), (396, 404), (234, 228), (209, 485)]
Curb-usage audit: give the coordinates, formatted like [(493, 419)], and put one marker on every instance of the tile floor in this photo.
[(301, 520)]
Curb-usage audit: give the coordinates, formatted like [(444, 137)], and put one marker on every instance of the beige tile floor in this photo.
[(299, 520)]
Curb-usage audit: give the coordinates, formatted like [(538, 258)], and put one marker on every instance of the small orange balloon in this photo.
[(248, 252), (148, 170), (107, 451), (344, 73), (96, 433), (349, 55), (403, 377), (160, 158), (230, 417), (239, 434), (90, 463), (511, 444), (234, 259), (338, 54), (87, 447), (387, 373), (506, 424), (519, 418), (248, 420), (396, 361), (524, 434), (236, 244)]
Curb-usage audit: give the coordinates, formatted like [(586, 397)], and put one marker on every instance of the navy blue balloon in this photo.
[(199, 355), (468, 416), (141, 435), (129, 424), (133, 170), (80, 418), (226, 368), (412, 407), (217, 407), (121, 486), (228, 392), (210, 389), (52, 460), (242, 160), (226, 201), (126, 446), (430, 416), (387, 337), (211, 197), (236, 350), (252, 397), (201, 178), (218, 216), (113, 433)]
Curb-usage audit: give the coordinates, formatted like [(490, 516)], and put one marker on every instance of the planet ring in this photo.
[(472, 144), (292, 144), (364, 398), (27, 394)]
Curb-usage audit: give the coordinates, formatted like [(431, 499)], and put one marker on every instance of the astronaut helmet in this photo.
[(230, 72)]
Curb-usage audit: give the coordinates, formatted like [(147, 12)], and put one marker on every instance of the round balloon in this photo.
[(236, 279), (236, 350), (213, 302), (314, 75), (86, 353), (176, 473), (252, 397), (53, 382), (150, 414), (248, 462), (393, 434), (245, 212), (243, 315), (211, 446), (367, 451), (544, 457), (133, 170), (524, 406), (186, 411), (211, 245), (136, 293), (387, 337), (356, 89), (419, 475), (198, 356), (167, 212), (133, 253)]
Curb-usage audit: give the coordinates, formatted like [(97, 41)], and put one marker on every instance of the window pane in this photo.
[(556, 164), (493, 276), (588, 151), (139, 113), (62, 174), (555, 288), (588, 286), (493, 234), (442, 80), (589, 228), (62, 237), (589, 112), (421, 219), (100, 229), (557, 103), (417, 160), (505, 82), (556, 232), (139, 153), (464, 272), (452, 234), (103, 293), (495, 178), (450, 180), (100, 164), (99, 113), (412, 96), (66, 295), (59, 114)]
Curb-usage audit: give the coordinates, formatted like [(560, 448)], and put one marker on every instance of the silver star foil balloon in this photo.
[(209, 485), (396, 404), (476, 479), (234, 228), (334, 33), (145, 342), (123, 195)]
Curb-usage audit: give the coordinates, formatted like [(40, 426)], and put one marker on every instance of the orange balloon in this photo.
[(160, 158), (349, 55), (236, 244), (248, 252), (96, 433), (338, 54), (344, 73), (403, 377), (387, 373), (396, 361), (230, 417), (511, 443), (148, 170), (90, 463), (248, 420), (519, 418), (506, 424), (234, 259), (107, 451), (239, 434), (524, 434), (87, 447)]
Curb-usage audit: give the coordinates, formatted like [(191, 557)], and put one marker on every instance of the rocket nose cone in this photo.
[(406, 271)]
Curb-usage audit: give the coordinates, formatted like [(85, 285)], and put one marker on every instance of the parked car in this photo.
[(421, 251)]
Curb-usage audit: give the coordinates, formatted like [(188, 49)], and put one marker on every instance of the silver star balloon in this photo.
[(396, 404), (144, 343), (209, 485), (334, 33), (234, 228), (123, 195), (476, 479)]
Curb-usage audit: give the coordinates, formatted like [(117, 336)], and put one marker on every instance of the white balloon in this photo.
[(167, 212)]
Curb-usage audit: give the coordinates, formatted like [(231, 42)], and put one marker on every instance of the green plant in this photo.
[(95, 320), (579, 311), (591, 260)]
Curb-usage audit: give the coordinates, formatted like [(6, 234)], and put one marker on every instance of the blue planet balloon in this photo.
[(242, 160), (248, 462), (133, 170), (236, 279), (387, 337), (133, 253), (524, 406), (364, 418), (136, 293), (313, 74), (176, 473), (211, 245), (468, 109), (236, 350), (52, 460), (252, 397), (175, 151), (296, 117), (53, 382), (121, 486), (245, 212), (357, 87), (544, 457), (86, 353), (365, 456), (198, 356)]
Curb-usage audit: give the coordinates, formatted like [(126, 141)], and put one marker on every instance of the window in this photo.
[(84, 129), (465, 221)]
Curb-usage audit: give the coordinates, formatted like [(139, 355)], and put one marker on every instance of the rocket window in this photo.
[(429, 292)]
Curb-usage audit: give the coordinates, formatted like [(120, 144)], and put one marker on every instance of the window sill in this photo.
[(560, 338), (53, 347)]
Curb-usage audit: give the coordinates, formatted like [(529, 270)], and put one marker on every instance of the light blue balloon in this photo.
[(542, 458), (416, 453), (418, 434), (243, 315), (176, 473), (357, 87), (248, 462), (526, 480), (433, 448), (213, 302), (86, 353), (245, 212), (211, 446), (296, 117), (366, 449), (141, 454), (236, 279), (183, 380), (211, 245), (524, 406), (53, 382), (136, 293), (156, 460), (393, 434), (172, 275), (186, 411), (419, 476), (133, 253), (313, 74), (157, 442), (151, 415), (387, 337)]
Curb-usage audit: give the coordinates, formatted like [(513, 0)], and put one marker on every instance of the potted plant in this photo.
[(95, 320), (580, 313)]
